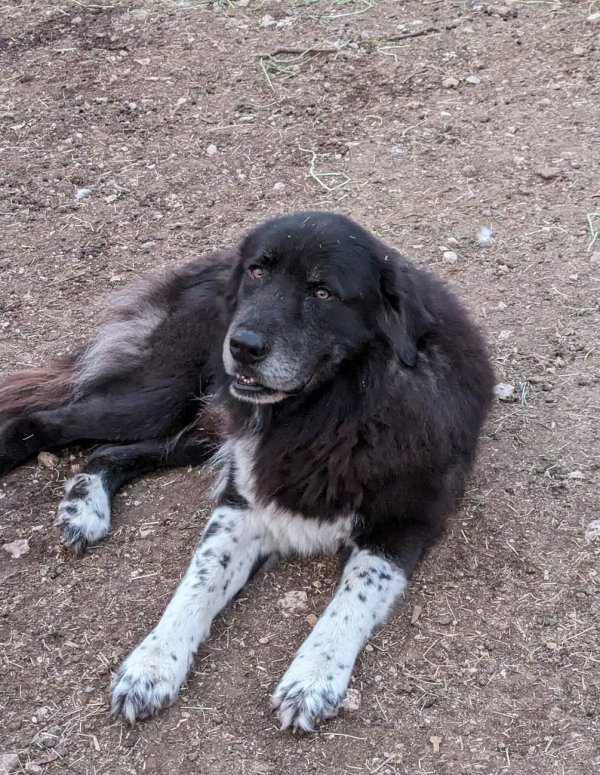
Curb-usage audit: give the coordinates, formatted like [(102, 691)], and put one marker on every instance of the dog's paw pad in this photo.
[(301, 706), (145, 683), (84, 513)]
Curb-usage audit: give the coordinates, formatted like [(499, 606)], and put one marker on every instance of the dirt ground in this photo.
[(426, 121)]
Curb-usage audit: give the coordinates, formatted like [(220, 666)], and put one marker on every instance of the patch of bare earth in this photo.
[(438, 118)]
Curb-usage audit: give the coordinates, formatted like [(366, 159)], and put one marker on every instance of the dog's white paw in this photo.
[(84, 513), (148, 680), (311, 691)]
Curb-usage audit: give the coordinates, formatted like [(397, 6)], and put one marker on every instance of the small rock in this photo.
[(435, 741), (45, 740), (592, 534), (81, 193), (48, 460), (264, 641), (594, 18), (473, 80), (33, 767), (110, 198), (76, 20), (279, 187), (17, 548), (547, 173), (267, 21), (9, 762), (450, 83), (101, 100), (579, 51), (450, 256), (576, 475), (500, 10), (131, 106), (294, 601), (211, 150), (504, 392), (312, 619), (351, 700)]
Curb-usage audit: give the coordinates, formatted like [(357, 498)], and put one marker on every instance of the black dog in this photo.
[(348, 389)]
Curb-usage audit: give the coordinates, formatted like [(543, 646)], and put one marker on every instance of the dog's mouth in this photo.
[(251, 387)]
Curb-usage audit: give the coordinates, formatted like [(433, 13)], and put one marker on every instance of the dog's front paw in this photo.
[(147, 681), (84, 513), (308, 694)]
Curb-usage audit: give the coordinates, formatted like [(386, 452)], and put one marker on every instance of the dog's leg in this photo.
[(84, 513), (234, 545), (315, 684)]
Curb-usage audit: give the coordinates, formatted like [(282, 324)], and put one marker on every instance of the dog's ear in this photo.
[(404, 319)]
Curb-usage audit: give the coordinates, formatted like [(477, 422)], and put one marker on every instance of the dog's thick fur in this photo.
[(346, 389)]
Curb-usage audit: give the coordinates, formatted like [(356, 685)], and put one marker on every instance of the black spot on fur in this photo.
[(230, 495), (213, 527), (362, 597), (225, 559)]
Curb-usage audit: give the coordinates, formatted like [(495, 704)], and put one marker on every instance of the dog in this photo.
[(345, 390)]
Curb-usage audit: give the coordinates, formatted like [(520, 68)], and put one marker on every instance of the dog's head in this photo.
[(311, 291)]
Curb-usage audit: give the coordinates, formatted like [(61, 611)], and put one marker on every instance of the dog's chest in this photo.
[(292, 533)]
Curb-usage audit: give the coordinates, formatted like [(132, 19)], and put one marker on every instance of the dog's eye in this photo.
[(255, 272), (322, 294)]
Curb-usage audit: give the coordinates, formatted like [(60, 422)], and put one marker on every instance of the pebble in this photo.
[(45, 740), (594, 18), (17, 548), (450, 256), (279, 187), (211, 150), (473, 80), (579, 51), (312, 619), (294, 601), (48, 460), (267, 21), (504, 391), (547, 173), (592, 534), (101, 100), (81, 193), (351, 700), (576, 475), (9, 762), (450, 83)]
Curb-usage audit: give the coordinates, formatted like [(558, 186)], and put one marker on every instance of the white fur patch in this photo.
[(315, 685), (291, 533), (151, 676), (84, 513)]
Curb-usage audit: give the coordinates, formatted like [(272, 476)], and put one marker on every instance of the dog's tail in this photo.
[(35, 389)]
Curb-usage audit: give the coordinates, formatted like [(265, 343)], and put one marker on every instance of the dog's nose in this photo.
[(248, 346)]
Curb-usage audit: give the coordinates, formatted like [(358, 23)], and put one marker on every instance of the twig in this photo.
[(298, 50), (408, 35)]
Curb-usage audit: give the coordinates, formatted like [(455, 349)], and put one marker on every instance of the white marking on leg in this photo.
[(315, 684), (84, 513), (151, 676)]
